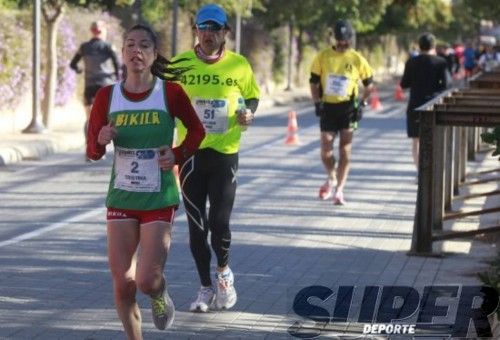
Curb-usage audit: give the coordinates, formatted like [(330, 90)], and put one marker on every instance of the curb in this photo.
[(38, 148)]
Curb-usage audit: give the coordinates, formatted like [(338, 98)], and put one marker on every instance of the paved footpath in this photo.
[(284, 239)]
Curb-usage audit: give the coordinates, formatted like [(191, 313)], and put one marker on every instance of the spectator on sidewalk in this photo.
[(426, 76), (138, 115), (100, 65), (490, 58), (225, 95), (335, 73)]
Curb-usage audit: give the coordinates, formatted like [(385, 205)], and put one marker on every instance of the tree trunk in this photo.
[(290, 56), (52, 13), (300, 56), (50, 75), (237, 47)]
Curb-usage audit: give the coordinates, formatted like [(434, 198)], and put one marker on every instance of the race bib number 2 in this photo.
[(137, 170), (212, 113)]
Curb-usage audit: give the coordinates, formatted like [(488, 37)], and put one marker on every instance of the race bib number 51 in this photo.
[(137, 170), (212, 113)]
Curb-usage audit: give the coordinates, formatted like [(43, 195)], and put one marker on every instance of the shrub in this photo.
[(493, 137), (66, 48), (15, 58)]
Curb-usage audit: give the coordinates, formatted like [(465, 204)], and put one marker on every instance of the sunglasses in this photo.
[(209, 27)]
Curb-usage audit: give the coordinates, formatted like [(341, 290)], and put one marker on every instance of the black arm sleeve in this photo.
[(74, 62), (252, 104), (315, 78), (366, 82)]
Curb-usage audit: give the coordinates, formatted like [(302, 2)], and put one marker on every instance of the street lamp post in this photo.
[(36, 126), (175, 11)]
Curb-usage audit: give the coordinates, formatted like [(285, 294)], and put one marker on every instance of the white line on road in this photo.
[(96, 211), (54, 226)]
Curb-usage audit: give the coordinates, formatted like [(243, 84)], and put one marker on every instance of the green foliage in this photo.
[(278, 65), (491, 277), (411, 15), (494, 139), (8, 4), (154, 11), (484, 9)]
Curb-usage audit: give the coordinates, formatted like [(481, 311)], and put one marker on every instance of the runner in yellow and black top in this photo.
[(335, 73), (224, 93)]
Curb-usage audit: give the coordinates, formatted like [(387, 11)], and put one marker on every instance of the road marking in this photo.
[(54, 226), (96, 211)]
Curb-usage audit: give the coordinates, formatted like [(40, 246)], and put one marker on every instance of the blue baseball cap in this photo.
[(211, 12)]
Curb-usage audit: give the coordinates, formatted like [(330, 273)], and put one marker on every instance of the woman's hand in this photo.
[(107, 134), (166, 160)]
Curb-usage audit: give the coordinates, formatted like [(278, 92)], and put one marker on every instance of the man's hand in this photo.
[(318, 108), (244, 117), (107, 134), (357, 114)]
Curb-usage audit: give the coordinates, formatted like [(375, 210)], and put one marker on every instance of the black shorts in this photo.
[(412, 124), (336, 117), (89, 94)]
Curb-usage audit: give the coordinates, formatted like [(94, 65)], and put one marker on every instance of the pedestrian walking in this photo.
[(426, 76), (225, 95), (100, 65), (335, 73), (137, 115), (470, 59)]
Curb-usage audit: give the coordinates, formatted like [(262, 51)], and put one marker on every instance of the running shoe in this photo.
[(226, 294), (326, 190), (203, 301), (163, 310), (338, 198)]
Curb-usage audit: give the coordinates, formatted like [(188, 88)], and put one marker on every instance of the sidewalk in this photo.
[(66, 134)]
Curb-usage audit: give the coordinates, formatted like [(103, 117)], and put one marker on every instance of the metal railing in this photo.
[(448, 139)]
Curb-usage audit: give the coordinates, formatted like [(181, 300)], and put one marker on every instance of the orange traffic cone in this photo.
[(399, 94), (375, 101), (292, 137)]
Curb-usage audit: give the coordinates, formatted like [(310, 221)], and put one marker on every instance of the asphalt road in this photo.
[(54, 279)]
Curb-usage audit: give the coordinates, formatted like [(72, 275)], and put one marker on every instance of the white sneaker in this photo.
[(226, 294), (203, 301)]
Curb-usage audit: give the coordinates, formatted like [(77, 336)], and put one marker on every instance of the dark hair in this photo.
[(162, 67), (426, 41)]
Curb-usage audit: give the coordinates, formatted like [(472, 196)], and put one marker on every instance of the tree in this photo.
[(52, 11), (408, 15), (310, 21), (481, 10)]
